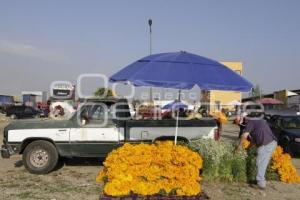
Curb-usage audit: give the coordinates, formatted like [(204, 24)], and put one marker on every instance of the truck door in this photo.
[(97, 136)]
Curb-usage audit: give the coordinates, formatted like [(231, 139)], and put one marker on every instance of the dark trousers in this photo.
[(242, 127)]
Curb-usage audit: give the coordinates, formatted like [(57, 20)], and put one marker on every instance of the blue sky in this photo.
[(43, 41)]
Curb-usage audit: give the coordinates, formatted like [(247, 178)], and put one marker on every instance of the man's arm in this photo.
[(243, 138)]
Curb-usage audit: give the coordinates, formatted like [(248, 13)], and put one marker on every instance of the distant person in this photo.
[(260, 134), (242, 123), (220, 118), (182, 112), (193, 115)]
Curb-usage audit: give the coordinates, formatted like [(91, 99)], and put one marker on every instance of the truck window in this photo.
[(96, 114)]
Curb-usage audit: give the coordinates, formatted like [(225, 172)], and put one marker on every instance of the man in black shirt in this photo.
[(260, 134)]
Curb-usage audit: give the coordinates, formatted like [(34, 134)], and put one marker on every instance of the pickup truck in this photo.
[(43, 142)]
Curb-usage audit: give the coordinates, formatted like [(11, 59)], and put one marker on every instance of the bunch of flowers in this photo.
[(246, 144), (149, 169), (282, 163), (219, 163), (271, 174)]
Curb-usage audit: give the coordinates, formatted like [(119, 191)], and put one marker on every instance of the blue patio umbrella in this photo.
[(181, 70), (175, 105)]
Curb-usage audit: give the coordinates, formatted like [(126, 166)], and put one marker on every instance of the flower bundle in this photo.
[(282, 163), (246, 144), (219, 163), (271, 174), (149, 169)]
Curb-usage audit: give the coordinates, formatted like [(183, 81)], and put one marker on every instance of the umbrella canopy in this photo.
[(235, 103), (269, 101), (181, 70), (175, 105)]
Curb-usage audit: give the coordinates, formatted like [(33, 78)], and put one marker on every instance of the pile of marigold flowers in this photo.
[(149, 169), (282, 163)]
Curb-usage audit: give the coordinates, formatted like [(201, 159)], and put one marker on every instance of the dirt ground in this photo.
[(75, 179)]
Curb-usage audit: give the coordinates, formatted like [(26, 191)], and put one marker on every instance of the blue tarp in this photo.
[(181, 70)]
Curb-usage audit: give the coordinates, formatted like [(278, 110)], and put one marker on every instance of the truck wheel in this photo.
[(40, 157)]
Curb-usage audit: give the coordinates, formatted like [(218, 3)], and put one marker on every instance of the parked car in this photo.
[(18, 112), (93, 131), (287, 130)]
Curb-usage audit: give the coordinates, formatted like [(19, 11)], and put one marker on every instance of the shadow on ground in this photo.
[(71, 162)]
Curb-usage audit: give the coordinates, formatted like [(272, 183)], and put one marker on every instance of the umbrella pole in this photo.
[(179, 95), (177, 119), (176, 129)]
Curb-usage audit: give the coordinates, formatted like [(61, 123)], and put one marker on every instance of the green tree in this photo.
[(136, 102), (256, 92), (100, 92)]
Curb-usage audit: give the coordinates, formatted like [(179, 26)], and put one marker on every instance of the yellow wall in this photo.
[(225, 97)]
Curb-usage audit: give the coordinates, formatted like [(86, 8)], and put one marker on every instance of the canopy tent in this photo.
[(290, 94), (269, 101)]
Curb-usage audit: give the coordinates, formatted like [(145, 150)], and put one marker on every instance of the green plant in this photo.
[(103, 92), (219, 163), (252, 169)]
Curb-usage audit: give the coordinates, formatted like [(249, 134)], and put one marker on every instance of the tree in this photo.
[(256, 92), (136, 102), (100, 92)]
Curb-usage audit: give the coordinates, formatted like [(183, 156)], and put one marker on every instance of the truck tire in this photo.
[(40, 157)]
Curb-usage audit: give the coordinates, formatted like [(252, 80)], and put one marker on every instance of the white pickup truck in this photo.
[(85, 134)]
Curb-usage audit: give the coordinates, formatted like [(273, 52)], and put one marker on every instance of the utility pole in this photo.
[(150, 34), (150, 51)]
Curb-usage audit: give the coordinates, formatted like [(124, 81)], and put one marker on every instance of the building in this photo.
[(31, 98), (215, 100), (6, 100), (290, 98)]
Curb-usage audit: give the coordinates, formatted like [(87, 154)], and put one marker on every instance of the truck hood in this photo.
[(39, 124)]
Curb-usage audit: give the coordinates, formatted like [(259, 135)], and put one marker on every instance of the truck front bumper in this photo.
[(6, 151)]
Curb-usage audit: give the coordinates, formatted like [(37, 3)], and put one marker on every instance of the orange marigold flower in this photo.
[(148, 169), (282, 163), (246, 144)]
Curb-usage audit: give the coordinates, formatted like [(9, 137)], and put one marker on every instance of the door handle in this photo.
[(62, 130), (144, 135)]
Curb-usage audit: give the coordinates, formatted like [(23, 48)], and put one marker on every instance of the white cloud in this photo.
[(31, 51)]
